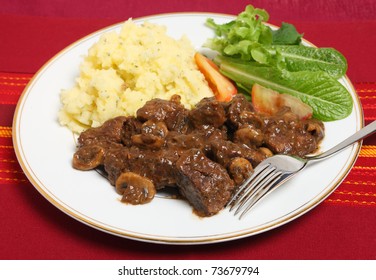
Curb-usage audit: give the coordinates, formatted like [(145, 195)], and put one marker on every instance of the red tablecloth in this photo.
[(342, 227)]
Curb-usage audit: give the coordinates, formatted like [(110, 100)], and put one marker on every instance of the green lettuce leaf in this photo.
[(304, 58), (248, 38), (239, 37), (328, 98), (286, 35)]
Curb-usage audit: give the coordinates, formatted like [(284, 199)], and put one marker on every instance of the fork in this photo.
[(276, 170)]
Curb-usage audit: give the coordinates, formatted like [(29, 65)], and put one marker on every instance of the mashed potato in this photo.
[(124, 70)]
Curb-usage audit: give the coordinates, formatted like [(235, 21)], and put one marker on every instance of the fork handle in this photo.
[(362, 133)]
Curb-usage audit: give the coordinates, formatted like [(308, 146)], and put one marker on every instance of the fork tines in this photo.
[(264, 177)]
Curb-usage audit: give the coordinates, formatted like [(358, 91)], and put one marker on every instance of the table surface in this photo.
[(341, 227)]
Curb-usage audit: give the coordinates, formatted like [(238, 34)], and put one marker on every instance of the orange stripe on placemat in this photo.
[(355, 193), (353, 196), (360, 183), (5, 131), (372, 90), (351, 202), (11, 171), (15, 76), (368, 151), (11, 86), (8, 160), (6, 147), (359, 187), (17, 84), (14, 79), (12, 180), (10, 176), (365, 168)]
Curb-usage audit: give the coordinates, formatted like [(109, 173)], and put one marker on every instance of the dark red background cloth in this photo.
[(36, 30), (31, 228)]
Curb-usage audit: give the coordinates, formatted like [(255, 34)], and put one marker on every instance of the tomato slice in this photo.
[(222, 87), (268, 101)]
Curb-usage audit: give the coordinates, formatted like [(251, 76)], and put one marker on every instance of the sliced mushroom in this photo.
[(88, 157), (135, 189), (152, 135), (239, 169), (316, 128), (157, 128), (148, 141), (267, 152), (249, 135)]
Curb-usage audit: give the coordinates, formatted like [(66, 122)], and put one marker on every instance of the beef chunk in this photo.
[(171, 112), (116, 161), (131, 126), (208, 112), (203, 153), (198, 139), (158, 166), (237, 106), (203, 182), (224, 151), (285, 134), (110, 131), (184, 142)]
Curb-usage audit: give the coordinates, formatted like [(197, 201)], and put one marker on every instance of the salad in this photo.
[(250, 51)]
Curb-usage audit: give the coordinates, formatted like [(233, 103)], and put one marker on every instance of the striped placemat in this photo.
[(357, 190)]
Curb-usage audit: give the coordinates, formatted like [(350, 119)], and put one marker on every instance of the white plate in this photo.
[(44, 150)]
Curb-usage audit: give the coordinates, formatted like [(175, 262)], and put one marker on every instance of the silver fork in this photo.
[(276, 170)]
